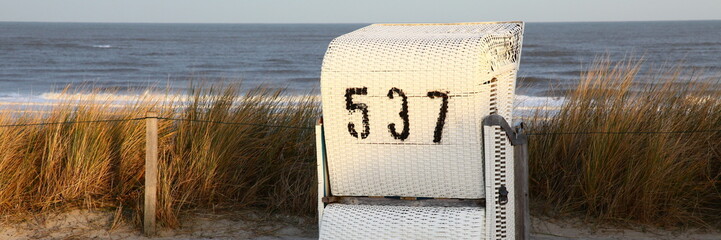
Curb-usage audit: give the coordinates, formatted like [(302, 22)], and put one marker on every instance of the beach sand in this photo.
[(545, 228), (87, 224)]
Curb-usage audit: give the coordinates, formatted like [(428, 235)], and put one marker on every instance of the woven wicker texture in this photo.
[(401, 222), (403, 105)]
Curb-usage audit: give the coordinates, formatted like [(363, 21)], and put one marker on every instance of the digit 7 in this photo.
[(438, 133), (352, 107)]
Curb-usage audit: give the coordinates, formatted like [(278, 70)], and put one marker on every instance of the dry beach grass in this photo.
[(202, 164), (626, 152), (668, 179)]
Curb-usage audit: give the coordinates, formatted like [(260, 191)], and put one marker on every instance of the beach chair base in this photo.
[(342, 221)]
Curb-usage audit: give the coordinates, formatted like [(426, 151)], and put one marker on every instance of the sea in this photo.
[(38, 60)]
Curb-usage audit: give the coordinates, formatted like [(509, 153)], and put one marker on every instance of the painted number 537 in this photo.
[(353, 107)]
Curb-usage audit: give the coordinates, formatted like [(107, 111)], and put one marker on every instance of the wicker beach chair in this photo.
[(414, 142)]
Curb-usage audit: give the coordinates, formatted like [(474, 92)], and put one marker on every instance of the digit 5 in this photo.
[(352, 107)]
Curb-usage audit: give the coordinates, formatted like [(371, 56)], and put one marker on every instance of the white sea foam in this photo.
[(523, 105), (102, 46), (142, 97), (523, 102), (104, 97), (526, 106)]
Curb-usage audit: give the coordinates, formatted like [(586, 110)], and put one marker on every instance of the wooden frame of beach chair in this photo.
[(415, 142)]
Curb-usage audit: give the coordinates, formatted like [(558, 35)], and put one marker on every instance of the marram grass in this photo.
[(201, 164), (667, 179), (660, 179)]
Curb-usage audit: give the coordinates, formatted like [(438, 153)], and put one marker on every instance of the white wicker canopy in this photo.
[(403, 106)]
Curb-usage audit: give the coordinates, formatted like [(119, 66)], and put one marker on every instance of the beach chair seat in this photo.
[(414, 142), (343, 221)]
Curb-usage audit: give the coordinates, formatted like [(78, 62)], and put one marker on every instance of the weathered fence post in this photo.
[(151, 172), (523, 216)]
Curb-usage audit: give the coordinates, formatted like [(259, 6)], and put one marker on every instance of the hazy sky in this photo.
[(357, 11)]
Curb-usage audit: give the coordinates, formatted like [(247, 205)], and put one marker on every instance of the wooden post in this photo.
[(320, 161), (523, 216), (151, 172)]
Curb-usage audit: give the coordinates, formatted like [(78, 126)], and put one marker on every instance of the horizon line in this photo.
[(604, 21)]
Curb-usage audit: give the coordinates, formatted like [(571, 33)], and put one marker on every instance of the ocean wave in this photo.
[(278, 60), (11, 75), (525, 102), (111, 70), (568, 61), (522, 103), (305, 80), (279, 71), (535, 80), (548, 53), (64, 45), (11, 95), (696, 44), (528, 45), (98, 69), (57, 45), (135, 97), (210, 65), (143, 63), (153, 54), (556, 91)]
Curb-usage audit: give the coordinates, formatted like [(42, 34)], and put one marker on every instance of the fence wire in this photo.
[(234, 123), (144, 118), (621, 133), (302, 127), (71, 122)]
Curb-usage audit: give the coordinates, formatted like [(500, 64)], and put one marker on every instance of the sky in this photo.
[(355, 11)]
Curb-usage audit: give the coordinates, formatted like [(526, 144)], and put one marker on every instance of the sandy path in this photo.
[(85, 224)]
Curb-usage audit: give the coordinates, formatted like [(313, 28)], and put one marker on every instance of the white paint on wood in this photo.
[(320, 155)]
